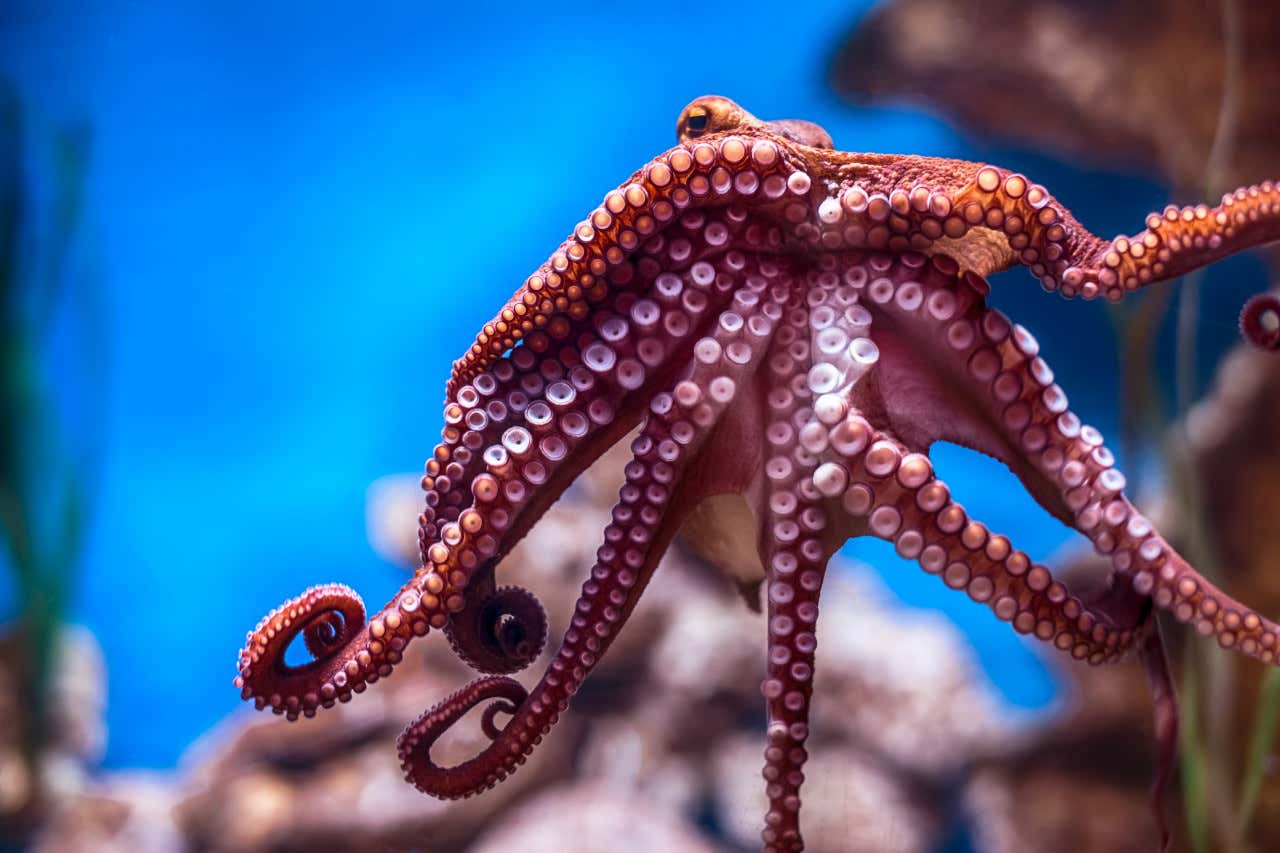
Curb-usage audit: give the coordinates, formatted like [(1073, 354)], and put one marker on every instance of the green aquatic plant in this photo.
[(45, 462)]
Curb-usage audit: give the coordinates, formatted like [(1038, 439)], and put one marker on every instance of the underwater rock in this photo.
[(1136, 82), (1083, 783), (930, 712), (588, 816), (655, 743), (1231, 436), (334, 782), (854, 803), (17, 782), (75, 733), (128, 812), (1052, 812)]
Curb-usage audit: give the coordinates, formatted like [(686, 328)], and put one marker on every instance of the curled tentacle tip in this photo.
[(1260, 321), (329, 617), (503, 633), (487, 724), (478, 773), (324, 633)]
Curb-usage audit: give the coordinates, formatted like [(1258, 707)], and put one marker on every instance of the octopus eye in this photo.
[(695, 124)]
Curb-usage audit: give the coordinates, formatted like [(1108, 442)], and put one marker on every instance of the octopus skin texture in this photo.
[(788, 328)]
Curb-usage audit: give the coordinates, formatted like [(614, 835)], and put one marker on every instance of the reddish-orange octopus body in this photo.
[(790, 328)]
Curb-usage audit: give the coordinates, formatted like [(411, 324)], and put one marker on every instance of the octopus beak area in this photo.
[(346, 653)]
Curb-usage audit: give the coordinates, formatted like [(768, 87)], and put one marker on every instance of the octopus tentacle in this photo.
[(565, 393), (571, 403), (1142, 556), (574, 399), (415, 742), (1164, 701), (887, 491), (1174, 242), (989, 219), (595, 257), (795, 548), (1012, 409), (348, 653), (997, 393), (796, 559), (595, 366), (647, 515), (505, 633)]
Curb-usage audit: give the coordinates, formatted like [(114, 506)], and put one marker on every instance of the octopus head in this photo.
[(712, 114)]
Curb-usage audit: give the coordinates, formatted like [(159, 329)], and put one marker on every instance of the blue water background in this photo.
[(299, 215)]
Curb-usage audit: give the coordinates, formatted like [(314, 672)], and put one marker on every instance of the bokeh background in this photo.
[(286, 220)]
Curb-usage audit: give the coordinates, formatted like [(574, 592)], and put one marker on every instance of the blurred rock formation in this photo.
[(75, 733), (1135, 83), (661, 751)]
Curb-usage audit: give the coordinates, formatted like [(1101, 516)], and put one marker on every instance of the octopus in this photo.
[(785, 330)]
